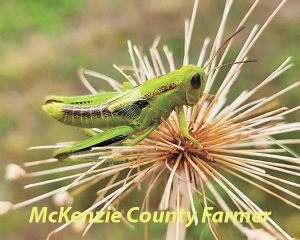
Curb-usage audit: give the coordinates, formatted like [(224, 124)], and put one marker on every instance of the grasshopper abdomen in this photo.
[(84, 116)]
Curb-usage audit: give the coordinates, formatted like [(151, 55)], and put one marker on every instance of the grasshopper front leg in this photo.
[(185, 131), (108, 137), (184, 128)]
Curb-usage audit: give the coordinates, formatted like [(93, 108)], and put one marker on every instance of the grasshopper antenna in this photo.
[(224, 44), (230, 64)]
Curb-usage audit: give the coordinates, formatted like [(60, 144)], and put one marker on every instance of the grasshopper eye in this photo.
[(196, 81)]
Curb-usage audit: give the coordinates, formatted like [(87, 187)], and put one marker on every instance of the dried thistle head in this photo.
[(238, 138)]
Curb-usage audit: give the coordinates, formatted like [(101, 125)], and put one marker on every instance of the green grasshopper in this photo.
[(134, 111)]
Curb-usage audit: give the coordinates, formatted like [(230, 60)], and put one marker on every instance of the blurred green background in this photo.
[(44, 43)]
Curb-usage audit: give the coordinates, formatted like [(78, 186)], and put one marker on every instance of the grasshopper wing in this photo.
[(128, 104)]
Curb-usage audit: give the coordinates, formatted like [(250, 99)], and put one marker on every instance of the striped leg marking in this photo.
[(111, 136)]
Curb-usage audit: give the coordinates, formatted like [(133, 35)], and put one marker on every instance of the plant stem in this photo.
[(179, 201)]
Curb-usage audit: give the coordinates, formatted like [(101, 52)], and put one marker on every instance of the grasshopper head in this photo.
[(194, 82)]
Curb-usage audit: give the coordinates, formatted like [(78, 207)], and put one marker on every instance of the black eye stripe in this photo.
[(196, 81)]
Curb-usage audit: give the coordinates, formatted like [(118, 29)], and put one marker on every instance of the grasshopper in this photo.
[(134, 111)]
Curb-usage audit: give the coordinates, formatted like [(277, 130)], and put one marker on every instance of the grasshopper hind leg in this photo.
[(108, 137)]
